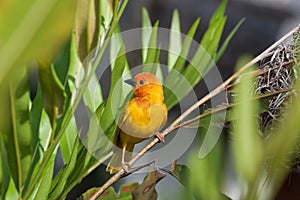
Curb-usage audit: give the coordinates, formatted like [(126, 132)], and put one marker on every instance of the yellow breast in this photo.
[(144, 119)]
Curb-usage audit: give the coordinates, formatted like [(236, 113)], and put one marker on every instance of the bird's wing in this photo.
[(123, 116), (158, 114)]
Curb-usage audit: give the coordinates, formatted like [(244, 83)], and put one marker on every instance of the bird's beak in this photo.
[(131, 82)]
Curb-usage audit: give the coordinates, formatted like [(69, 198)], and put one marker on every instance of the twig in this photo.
[(173, 125)]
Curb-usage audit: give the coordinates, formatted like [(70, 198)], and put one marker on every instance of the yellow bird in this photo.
[(140, 118)]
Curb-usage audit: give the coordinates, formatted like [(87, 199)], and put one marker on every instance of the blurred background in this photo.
[(266, 21)]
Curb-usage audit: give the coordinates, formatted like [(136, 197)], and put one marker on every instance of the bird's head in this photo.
[(144, 83)]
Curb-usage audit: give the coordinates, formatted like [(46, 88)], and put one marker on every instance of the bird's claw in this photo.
[(160, 136), (126, 167)]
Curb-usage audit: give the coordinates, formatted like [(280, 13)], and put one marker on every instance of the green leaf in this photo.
[(107, 14), (146, 32), (74, 78), (12, 192), (227, 40), (247, 144), (45, 130), (201, 62), (175, 43), (46, 179), (61, 62), (93, 95), (53, 92), (179, 64), (174, 76), (116, 45), (36, 37), (211, 38), (85, 163), (100, 147), (113, 103), (41, 130), (35, 116), (151, 63), (58, 185), (152, 52), (219, 13), (17, 134), (4, 170), (67, 140), (87, 26), (75, 72)]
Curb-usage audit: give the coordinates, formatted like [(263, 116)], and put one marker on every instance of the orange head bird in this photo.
[(140, 118)]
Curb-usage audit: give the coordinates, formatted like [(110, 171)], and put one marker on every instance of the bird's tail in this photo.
[(115, 163)]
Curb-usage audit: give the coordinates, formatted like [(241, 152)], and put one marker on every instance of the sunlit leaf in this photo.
[(219, 13), (146, 32), (67, 140), (175, 43), (17, 133), (117, 72), (47, 176), (12, 192), (57, 186), (172, 79), (152, 52)]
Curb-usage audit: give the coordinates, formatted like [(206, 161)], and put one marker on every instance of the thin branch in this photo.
[(173, 125)]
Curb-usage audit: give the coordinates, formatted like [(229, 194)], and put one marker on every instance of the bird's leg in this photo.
[(125, 165), (160, 136)]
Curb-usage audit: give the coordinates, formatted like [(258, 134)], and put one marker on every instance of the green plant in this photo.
[(33, 129)]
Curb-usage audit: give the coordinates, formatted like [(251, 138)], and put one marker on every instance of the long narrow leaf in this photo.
[(172, 79), (17, 137), (67, 141), (175, 43), (227, 40), (117, 72), (4, 170), (58, 185), (146, 32), (219, 13), (151, 52), (45, 184)]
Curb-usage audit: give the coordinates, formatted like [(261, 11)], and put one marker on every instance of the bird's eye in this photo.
[(142, 82)]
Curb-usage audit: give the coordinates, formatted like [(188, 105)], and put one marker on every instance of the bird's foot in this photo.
[(126, 167), (160, 136)]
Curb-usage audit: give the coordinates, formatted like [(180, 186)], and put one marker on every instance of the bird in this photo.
[(139, 119)]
